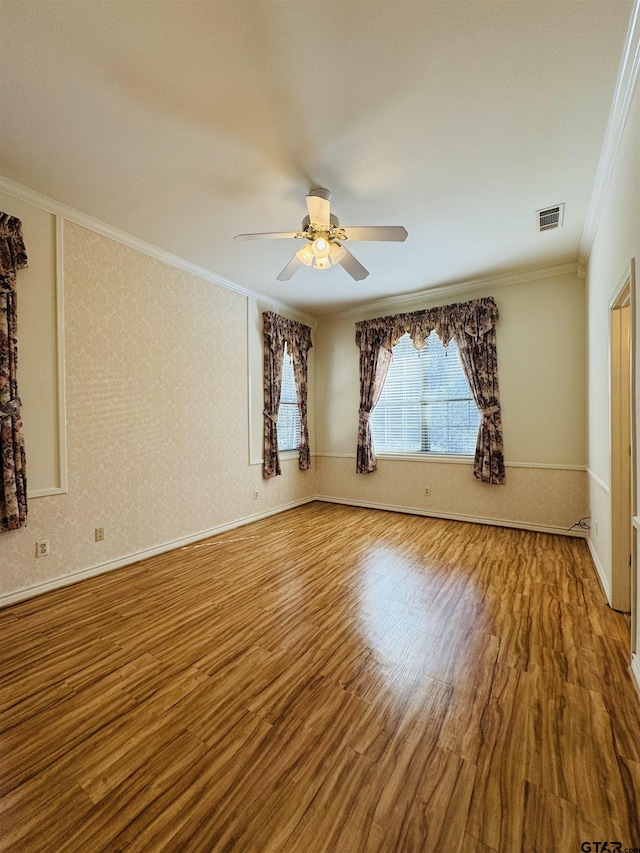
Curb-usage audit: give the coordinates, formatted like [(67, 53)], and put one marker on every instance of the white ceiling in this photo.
[(185, 123)]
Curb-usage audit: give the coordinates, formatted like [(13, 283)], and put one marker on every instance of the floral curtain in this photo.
[(299, 352), (13, 486), (476, 342), (375, 358), (279, 331), (472, 326)]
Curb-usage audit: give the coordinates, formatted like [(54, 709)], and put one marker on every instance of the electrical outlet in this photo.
[(99, 534), (427, 492), (255, 495), (596, 526), (42, 548)]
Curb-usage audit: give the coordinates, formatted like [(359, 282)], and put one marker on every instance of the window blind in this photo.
[(288, 414), (426, 405)]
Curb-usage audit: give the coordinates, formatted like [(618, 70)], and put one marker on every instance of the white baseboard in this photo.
[(604, 582), (127, 560), (473, 519), (599, 482), (635, 672)]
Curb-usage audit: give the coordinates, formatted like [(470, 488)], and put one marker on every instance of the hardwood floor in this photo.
[(330, 679)]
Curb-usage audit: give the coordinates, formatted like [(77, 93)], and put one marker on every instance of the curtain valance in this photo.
[(474, 318), (472, 326), (277, 332), (12, 252), (296, 335)]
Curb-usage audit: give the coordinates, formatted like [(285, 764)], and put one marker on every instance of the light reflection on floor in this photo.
[(393, 598)]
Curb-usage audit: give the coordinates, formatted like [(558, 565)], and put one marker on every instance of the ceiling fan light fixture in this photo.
[(320, 254), (305, 254), (320, 248)]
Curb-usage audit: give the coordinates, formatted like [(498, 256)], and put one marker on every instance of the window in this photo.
[(288, 413), (426, 405)]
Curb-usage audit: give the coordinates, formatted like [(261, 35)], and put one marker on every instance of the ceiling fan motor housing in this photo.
[(306, 225)]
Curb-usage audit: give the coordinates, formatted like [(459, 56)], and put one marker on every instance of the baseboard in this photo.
[(601, 483), (473, 519), (604, 583), (127, 560), (635, 672)]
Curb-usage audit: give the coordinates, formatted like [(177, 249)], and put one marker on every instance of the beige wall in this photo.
[(541, 356), (616, 242), (157, 418)]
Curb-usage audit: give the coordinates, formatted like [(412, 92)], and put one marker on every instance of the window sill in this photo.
[(455, 458)]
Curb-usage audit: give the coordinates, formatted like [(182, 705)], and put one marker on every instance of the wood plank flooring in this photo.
[(330, 679)]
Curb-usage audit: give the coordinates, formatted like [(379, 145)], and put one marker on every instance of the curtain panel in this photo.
[(375, 357), (13, 485), (472, 326), (277, 332)]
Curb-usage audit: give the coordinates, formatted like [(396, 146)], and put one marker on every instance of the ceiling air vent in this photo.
[(550, 217)]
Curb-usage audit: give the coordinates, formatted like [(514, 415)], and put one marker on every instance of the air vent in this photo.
[(550, 217)]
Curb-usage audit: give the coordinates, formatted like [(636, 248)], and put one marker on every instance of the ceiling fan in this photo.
[(322, 234)]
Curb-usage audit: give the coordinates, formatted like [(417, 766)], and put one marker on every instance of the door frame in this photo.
[(623, 447)]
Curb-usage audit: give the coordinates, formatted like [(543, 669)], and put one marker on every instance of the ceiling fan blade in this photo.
[(293, 266), (269, 235), (319, 206), (394, 233), (353, 266)]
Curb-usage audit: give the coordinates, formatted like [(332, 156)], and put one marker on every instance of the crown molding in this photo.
[(459, 289), (70, 214), (623, 96)]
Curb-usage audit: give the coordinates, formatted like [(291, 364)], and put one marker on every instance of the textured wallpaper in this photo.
[(157, 416), (544, 497)]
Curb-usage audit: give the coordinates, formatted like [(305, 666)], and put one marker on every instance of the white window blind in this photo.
[(288, 414), (426, 405)]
